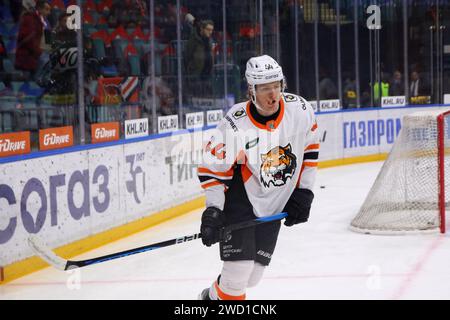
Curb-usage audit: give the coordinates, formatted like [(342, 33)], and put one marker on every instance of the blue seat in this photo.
[(99, 48), (11, 45), (15, 85), (109, 71), (88, 29), (135, 65), (119, 46), (13, 29), (4, 32), (31, 89), (95, 15), (5, 14), (140, 46), (8, 66)]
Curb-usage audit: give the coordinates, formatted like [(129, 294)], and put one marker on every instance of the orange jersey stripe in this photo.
[(312, 146), (300, 176), (212, 184), (246, 173), (228, 173), (223, 296), (314, 127)]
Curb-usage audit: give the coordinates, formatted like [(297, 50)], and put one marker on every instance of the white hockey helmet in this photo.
[(263, 69), (260, 70)]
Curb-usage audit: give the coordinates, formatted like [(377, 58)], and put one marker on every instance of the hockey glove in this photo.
[(298, 206), (212, 223)]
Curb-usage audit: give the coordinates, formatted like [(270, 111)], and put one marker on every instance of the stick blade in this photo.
[(46, 254)]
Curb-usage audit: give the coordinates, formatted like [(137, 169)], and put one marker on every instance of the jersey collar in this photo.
[(270, 125)]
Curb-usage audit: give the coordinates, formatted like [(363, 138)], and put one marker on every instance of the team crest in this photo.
[(277, 166)]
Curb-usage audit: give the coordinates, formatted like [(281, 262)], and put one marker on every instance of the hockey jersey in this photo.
[(271, 159)]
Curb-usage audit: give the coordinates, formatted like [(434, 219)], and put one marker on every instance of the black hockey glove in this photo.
[(212, 223), (298, 206)]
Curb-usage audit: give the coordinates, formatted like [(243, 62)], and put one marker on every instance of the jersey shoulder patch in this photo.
[(240, 113), (290, 98)]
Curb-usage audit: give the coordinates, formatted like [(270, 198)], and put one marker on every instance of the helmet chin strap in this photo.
[(253, 98)]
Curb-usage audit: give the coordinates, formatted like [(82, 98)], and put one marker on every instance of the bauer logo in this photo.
[(14, 143), (55, 138), (136, 128), (102, 132)]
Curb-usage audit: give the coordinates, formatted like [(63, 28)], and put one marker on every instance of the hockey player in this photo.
[(260, 160)]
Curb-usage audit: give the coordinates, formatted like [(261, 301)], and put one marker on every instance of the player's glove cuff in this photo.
[(212, 222), (298, 207)]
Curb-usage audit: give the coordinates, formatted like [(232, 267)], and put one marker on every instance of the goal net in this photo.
[(409, 194)]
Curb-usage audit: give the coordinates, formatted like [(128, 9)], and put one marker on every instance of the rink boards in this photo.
[(82, 197)]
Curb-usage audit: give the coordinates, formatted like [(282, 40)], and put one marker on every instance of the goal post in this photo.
[(442, 135), (410, 193)]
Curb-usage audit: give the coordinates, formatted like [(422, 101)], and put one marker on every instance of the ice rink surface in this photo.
[(321, 259)]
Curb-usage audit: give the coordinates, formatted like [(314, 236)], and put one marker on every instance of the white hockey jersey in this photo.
[(272, 158)]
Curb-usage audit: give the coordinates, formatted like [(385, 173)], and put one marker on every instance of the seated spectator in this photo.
[(105, 6), (119, 33), (89, 5), (139, 34), (104, 36)]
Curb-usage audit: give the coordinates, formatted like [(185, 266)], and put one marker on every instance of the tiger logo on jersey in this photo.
[(277, 166)]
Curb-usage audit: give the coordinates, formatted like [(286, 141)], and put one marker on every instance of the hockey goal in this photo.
[(411, 191)]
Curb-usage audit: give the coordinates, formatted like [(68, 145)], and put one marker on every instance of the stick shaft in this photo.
[(63, 264), (226, 232)]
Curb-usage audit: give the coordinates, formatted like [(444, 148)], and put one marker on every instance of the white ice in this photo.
[(321, 259)]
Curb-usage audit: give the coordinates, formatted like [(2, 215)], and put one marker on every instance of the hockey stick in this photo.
[(62, 264)]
